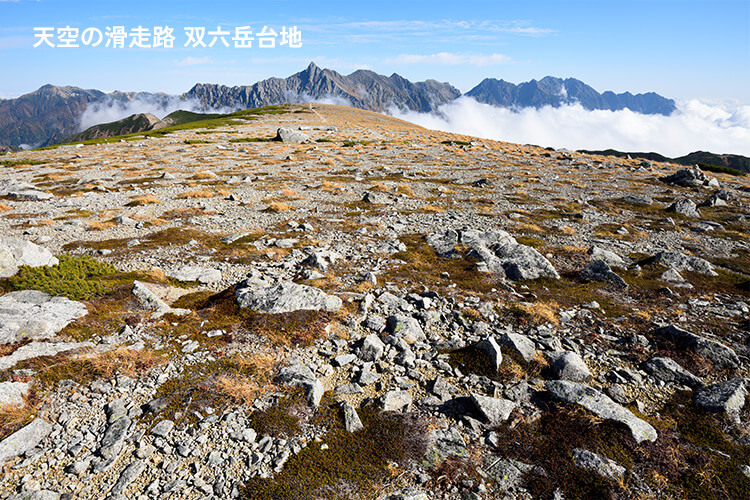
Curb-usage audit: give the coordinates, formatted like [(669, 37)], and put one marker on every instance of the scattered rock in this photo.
[(372, 348), (13, 393), (301, 376), (491, 350), (603, 466), (712, 350), (284, 134), (405, 327), (352, 423), (568, 365), (602, 406), (444, 242), (395, 401), (195, 273), (687, 177), (667, 370), (150, 301), (494, 410), (600, 271), (682, 262), (685, 207)]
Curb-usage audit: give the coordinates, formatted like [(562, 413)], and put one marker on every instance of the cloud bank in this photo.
[(159, 105), (696, 125)]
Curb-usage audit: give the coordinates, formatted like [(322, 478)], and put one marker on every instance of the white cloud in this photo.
[(696, 125), (111, 110), (194, 61), (451, 59)]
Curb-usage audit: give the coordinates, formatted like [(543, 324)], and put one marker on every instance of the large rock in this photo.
[(602, 406), (301, 376), (352, 422), (151, 301), (196, 273), (724, 397), (13, 393), (445, 443), (284, 134), (494, 410), (372, 348), (491, 350), (36, 349), (667, 370), (444, 242), (322, 259), (712, 350), (685, 207), (682, 262), (15, 252), (35, 315), (395, 401), (405, 327), (22, 191), (520, 344), (130, 474), (611, 258), (114, 438), (600, 271), (499, 253), (285, 297), (594, 462), (24, 439), (568, 365), (687, 177)]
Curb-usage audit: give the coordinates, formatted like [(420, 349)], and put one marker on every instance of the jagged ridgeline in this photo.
[(52, 114), (308, 301)]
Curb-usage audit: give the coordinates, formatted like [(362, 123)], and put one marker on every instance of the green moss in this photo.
[(352, 466), (16, 163), (196, 141), (348, 144), (456, 143), (721, 169), (78, 278), (282, 419), (252, 139)]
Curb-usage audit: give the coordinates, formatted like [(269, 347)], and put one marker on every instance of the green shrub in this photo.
[(78, 278), (720, 169)]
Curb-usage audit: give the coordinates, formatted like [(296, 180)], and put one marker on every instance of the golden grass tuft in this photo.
[(204, 175), (100, 225), (5, 208), (277, 207), (432, 209), (139, 201), (540, 312), (201, 193)]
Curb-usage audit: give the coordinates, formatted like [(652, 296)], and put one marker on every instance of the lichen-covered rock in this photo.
[(15, 252), (682, 262), (568, 365), (24, 439), (285, 297), (667, 370), (602, 406), (712, 350), (724, 397), (31, 314)]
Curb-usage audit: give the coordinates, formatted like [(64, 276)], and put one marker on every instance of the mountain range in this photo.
[(52, 114)]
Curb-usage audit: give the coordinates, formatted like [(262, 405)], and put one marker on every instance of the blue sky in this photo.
[(681, 49)]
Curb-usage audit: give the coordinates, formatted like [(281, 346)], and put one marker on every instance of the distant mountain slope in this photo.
[(737, 162), (362, 89), (551, 91), (46, 115), (130, 125), (51, 114)]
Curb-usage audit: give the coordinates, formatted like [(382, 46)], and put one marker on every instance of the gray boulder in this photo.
[(444, 242), (375, 198), (151, 301), (499, 253), (15, 252), (494, 410), (712, 350), (611, 258), (130, 474), (667, 370), (322, 259), (491, 350), (22, 191), (520, 344), (24, 439), (600, 271), (603, 466), (719, 199), (602, 406), (682, 262), (301, 376), (724, 397), (405, 327), (685, 207), (196, 273), (395, 401), (687, 177), (568, 365), (36, 349), (285, 297), (35, 315), (13, 393), (284, 134), (445, 443), (352, 422), (372, 348)]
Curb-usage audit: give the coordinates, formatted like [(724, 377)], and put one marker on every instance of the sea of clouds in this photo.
[(160, 105), (695, 125)]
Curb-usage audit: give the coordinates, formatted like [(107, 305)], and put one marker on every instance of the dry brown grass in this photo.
[(206, 174), (5, 208), (291, 194), (12, 417), (277, 207), (540, 312), (100, 225), (328, 161), (567, 231), (379, 186), (432, 209), (531, 228), (139, 201), (201, 193), (405, 189), (330, 187), (242, 388)]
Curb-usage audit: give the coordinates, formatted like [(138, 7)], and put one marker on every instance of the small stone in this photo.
[(163, 428), (352, 423)]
